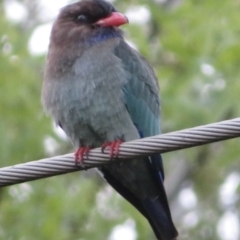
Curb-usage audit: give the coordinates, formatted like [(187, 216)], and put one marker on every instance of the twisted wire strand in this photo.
[(134, 149)]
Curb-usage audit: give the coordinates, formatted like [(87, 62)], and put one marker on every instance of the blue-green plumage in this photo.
[(99, 89)]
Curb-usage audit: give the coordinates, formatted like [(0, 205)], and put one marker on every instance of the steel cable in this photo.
[(146, 146)]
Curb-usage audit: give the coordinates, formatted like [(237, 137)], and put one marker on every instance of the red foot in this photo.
[(79, 154), (114, 148)]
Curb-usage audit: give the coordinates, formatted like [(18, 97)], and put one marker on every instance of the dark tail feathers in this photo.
[(160, 219)]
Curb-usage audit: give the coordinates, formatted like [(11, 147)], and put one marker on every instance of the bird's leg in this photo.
[(79, 154), (113, 146)]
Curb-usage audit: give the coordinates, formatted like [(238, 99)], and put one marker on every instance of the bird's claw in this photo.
[(113, 148), (79, 155)]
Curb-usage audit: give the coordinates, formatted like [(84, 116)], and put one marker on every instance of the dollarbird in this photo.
[(102, 92)]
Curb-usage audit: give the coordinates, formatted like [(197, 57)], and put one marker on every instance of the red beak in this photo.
[(116, 19)]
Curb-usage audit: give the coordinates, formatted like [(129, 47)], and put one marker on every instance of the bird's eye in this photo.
[(81, 18)]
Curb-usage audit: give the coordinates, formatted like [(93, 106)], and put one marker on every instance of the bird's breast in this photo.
[(88, 99)]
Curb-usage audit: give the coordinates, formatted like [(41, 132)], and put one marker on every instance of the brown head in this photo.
[(82, 21), (77, 27)]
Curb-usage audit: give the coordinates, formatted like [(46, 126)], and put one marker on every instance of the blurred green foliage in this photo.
[(194, 48)]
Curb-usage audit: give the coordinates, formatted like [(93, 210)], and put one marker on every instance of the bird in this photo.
[(102, 92)]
